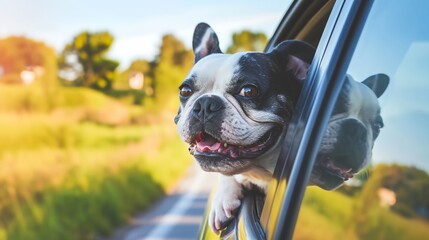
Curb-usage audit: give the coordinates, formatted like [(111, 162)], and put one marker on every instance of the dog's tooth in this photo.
[(225, 145)]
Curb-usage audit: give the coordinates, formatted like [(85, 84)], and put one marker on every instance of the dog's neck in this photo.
[(260, 174)]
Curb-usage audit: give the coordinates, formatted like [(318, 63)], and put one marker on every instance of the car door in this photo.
[(388, 199), (311, 117)]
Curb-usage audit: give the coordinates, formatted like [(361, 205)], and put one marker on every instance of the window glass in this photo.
[(389, 196)]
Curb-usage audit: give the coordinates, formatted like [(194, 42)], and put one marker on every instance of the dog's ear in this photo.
[(295, 56), (205, 41), (377, 83)]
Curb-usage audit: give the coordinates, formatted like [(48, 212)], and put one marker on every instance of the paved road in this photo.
[(175, 217)]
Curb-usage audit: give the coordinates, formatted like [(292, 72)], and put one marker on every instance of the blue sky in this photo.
[(396, 42), (136, 24)]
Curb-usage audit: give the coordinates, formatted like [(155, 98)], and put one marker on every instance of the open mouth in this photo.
[(344, 173), (207, 145), (336, 167), (332, 169)]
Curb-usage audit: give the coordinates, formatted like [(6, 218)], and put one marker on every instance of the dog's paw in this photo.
[(223, 209)]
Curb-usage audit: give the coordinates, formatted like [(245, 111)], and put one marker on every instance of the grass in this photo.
[(85, 206), (100, 182), (80, 168), (384, 224), (333, 215), (325, 215)]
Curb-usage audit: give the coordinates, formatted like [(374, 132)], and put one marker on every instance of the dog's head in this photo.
[(235, 107), (355, 124)]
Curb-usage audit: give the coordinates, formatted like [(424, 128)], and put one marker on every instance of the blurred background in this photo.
[(88, 95)]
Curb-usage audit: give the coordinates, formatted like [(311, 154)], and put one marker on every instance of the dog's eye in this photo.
[(249, 91), (185, 91)]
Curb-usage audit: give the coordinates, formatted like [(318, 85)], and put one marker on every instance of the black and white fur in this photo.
[(234, 111), (355, 123)]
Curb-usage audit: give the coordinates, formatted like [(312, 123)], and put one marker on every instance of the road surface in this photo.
[(177, 216)]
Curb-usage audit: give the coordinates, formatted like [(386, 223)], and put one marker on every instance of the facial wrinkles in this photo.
[(244, 129), (239, 110), (265, 117), (256, 117)]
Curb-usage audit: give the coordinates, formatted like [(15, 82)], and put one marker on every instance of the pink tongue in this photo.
[(208, 146)]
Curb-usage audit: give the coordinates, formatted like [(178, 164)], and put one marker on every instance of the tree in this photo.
[(19, 53), (170, 68), (247, 41), (174, 53), (21, 56), (411, 188), (84, 62)]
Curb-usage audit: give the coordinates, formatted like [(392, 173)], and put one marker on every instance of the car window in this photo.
[(305, 21), (382, 114)]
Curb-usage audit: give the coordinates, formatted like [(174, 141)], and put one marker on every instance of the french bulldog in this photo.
[(235, 109), (355, 123)]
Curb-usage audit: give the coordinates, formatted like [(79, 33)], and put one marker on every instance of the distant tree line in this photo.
[(83, 62)]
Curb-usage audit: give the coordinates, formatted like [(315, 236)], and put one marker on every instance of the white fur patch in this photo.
[(203, 48), (215, 71)]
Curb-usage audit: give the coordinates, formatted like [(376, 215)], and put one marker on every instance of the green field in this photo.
[(79, 164), (333, 215)]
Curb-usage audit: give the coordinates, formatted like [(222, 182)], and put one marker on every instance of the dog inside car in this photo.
[(235, 110)]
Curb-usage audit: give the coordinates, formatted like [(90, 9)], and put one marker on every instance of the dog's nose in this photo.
[(206, 107), (353, 143), (355, 130)]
